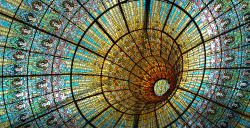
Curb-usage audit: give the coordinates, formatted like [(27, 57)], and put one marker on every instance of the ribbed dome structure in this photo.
[(125, 63)]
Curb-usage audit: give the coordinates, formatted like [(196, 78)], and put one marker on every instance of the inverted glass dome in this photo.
[(125, 63)]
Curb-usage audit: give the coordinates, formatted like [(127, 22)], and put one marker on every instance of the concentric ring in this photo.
[(124, 63)]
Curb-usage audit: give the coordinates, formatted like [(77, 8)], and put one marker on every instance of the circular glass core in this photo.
[(161, 87)]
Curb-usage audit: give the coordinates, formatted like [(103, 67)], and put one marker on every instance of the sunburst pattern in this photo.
[(98, 63)]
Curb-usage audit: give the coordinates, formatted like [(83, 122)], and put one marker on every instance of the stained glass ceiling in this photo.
[(125, 63)]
